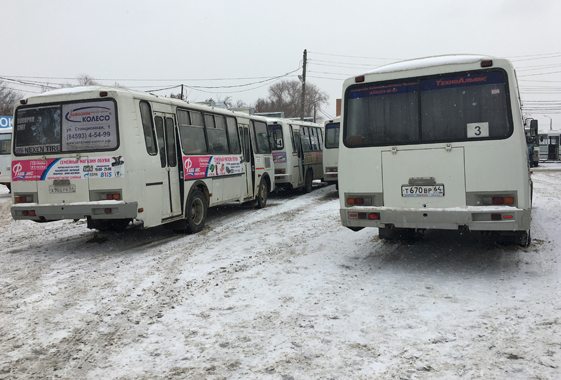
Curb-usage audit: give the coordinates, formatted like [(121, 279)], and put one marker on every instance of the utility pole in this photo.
[(181, 92), (303, 79)]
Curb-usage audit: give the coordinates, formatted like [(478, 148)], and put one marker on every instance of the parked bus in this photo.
[(549, 145), (331, 151), (111, 155), (297, 153), (435, 143), (5, 157)]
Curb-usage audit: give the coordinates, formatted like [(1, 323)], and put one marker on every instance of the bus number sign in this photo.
[(422, 191)]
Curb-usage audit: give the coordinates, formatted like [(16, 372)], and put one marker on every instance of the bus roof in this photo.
[(71, 93), (420, 63)]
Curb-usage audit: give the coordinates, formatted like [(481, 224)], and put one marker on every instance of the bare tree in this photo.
[(8, 98), (286, 96), (86, 80)]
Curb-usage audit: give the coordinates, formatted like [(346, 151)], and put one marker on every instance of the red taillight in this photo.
[(115, 196), (374, 216), (508, 216), (487, 63), (32, 213), (498, 200), (359, 79), (23, 198), (28, 213), (107, 211), (23, 101), (103, 94), (496, 216)]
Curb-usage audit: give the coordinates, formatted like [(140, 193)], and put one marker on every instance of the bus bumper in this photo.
[(94, 210), (474, 218)]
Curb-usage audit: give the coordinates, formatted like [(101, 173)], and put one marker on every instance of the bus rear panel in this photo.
[(436, 143)]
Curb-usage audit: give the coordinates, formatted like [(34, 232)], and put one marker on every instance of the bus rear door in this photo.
[(298, 161), (165, 132), (249, 167)]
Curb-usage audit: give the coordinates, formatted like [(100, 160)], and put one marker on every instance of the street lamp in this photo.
[(550, 122)]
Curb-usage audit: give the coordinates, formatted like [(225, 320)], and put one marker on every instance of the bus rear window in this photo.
[(332, 135), (454, 107), (275, 135), (38, 130), (69, 127)]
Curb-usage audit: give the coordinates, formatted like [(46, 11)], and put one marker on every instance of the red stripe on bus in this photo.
[(260, 169)]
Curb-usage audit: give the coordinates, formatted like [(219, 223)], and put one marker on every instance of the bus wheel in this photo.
[(262, 194), (196, 211), (308, 182), (523, 238)]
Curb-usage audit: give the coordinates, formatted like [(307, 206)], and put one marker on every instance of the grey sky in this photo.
[(176, 42)]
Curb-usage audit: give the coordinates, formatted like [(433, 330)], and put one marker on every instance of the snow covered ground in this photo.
[(284, 293)]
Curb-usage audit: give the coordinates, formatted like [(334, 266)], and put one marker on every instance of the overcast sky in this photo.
[(149, 45)]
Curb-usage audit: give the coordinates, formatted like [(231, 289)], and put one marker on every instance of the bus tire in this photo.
[(308, 182), (195, 213), (262, 194), (523, 238)]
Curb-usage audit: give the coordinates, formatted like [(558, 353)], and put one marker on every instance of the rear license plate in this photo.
[(422, 191), (62, 189)]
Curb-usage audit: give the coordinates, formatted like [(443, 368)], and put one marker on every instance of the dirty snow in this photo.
[(284, 292)]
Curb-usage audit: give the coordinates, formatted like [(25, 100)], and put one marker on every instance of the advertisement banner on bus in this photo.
[(68, 168), (279, 157), (211, 166)]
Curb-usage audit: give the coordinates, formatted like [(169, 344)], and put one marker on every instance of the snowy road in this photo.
[(283, 292)]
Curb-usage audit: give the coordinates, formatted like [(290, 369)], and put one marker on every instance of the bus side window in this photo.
[(292, 138), (191, 132), (216, 134), (233, 135), (314, 138), (160, 133), (305, 137), (320, 139), (148, 128)]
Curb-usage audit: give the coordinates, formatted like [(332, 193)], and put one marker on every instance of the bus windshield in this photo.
[(445, 108), (332, 135)]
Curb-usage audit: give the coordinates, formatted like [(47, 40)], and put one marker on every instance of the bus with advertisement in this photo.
[(435, 143), (110, 156), (331, 151), (5, 154), (297, 152)]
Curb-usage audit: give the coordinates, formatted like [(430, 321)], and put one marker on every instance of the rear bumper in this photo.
[(475, 218), (94, 210)]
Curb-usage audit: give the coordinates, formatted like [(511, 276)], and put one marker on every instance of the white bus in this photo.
[(331, 151), (549, 145), (5, 157), (297, 153), (111, 156), (435, 143)]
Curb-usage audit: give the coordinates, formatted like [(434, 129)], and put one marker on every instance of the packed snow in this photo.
[(283, 292)]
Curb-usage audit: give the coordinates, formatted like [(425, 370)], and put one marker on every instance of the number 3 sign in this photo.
[(475, 130)]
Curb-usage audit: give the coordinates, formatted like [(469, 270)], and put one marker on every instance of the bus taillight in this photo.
[(359, 201), (487, 63), (23, 199), (498, 201), (28, 213), (115, 196)]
